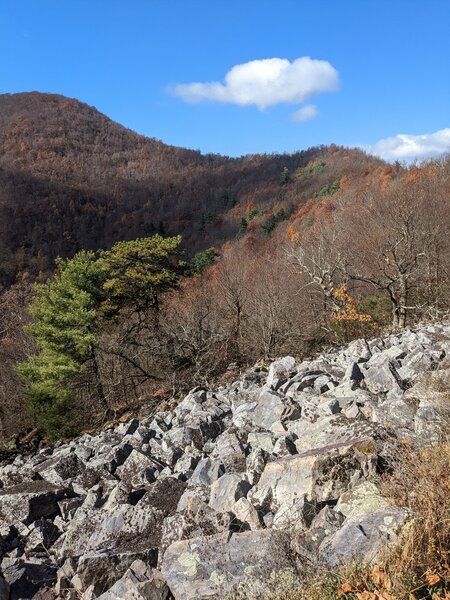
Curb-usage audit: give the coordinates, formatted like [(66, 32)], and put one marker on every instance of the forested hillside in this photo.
[(71, 179), (279, 254)]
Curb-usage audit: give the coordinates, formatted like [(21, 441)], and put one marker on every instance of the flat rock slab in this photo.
[(30, 501), (214, 566), (123, 528)]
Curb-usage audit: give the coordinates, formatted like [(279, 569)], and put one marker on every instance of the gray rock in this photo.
[(255, 463), (358, 350), (163, 452), (228, 451), (27, 502), (207, 471), (363, 538), (268, 410), (97, 530), (226, 490), (137, 470), (353, 375), (284, 446), (185, 466), (59, 470), (253, 563), (246, 513), (102, 569), (279, 371), (140, 582), (363, 499), (196, 519), (382, 378), (321, 475), (261, 440), (26, 577), (43, 534)]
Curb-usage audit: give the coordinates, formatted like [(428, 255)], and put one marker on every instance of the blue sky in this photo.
[(390, 60)]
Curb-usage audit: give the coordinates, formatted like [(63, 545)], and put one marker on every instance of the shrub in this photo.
[(328, 190)]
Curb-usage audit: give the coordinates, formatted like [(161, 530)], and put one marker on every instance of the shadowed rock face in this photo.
[(236, 489), (30, 501)]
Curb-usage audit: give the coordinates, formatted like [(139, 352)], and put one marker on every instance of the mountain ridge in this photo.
[(71, 174)]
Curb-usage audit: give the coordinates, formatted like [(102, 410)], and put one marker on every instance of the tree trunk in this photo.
[(99, 385), (403, 300)]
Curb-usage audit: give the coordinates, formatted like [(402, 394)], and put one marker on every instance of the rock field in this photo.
[(241, 490)]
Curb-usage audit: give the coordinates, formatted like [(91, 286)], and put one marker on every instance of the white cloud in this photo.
[(266, 83), (305, 113), (411, 147)]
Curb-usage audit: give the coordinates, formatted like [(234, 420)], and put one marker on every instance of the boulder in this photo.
[(382, 378), (137, 470), (140, 582), (228, 450), (29, 501), (96, 530), (196, 519), (26, 577), (279, 371), (227, 490), (261, 440), (207, 471), (321, 475), (102, 569), (43, 534), (363, 499), (268, 409), (59, 470), (246, 513), (363, 538), (252, 563)]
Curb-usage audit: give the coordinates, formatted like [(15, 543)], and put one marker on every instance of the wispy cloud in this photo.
[(413, 147), (306, 113), (265, 83)]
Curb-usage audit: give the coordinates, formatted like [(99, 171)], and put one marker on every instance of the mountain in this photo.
[(72, 178)]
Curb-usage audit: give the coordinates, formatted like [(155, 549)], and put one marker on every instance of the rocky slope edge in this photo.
[(242, 490)]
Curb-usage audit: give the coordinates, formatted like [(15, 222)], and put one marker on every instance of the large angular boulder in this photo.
[(382, 378), (60, 469), (102, 569), (362, 499), (197, 519), (363, 538), (228, 450), (29, 501), (140, 582), (227, 490), (137, 526), (137, 470), (329, 430), (319, 475), (207, 471), (252, 563), (26, 577), (279, 371)]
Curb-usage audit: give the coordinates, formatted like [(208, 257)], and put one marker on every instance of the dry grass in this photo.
[(417, 568), (421, 481)]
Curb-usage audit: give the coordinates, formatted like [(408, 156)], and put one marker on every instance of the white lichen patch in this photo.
[(189, 560)]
